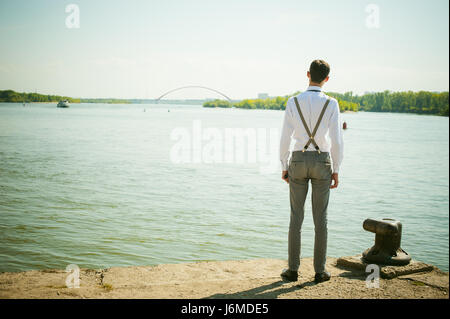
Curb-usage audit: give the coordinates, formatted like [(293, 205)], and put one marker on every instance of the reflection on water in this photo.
[(93, 185)]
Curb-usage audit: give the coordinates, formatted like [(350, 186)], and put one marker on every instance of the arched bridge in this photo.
[(190, 87)]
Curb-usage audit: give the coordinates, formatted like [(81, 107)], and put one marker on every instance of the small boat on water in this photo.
[(64, 103)]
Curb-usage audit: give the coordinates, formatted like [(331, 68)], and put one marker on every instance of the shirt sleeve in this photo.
[(286, 133), (337, 142)]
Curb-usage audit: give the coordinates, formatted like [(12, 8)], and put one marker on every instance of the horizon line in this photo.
[(231, 99)]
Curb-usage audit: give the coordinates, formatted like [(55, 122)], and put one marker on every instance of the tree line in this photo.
[(422, 102), (16, 97)]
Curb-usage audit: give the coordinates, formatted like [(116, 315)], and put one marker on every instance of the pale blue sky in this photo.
[(140, 49)]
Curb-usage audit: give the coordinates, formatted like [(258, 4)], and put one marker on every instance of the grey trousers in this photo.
[(304, 167)]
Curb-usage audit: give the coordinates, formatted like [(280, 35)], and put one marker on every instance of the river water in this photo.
[(102, 185)]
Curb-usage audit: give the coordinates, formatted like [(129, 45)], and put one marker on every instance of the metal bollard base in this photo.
[(387, 250)]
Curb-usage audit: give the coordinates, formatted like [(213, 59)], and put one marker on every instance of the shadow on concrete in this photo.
[(263, 292), (352, 273)]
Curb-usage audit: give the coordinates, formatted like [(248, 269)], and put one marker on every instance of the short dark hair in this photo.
[(319, 70)]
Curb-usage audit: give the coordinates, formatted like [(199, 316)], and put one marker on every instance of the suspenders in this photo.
[(311, 136)]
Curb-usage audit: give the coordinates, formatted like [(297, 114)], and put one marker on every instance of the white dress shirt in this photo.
[(329, 134)]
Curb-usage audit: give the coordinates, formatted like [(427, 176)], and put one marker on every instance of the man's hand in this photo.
[(335, 180), (284, 176)]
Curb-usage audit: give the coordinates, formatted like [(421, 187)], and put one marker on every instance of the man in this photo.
[(312, 119)]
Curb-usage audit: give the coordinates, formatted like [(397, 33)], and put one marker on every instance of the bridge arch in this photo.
[(192, 86)]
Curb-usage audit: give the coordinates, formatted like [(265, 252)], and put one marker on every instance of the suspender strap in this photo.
[(317, 126), (311, 136), (302, 118)]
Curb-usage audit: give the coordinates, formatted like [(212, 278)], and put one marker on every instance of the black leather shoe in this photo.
[(321, 277), (289, 275)]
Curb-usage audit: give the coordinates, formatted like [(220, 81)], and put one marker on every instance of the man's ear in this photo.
[(308, 75), (326, 79)]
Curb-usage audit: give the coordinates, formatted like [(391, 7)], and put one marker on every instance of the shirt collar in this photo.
[(313, 87)]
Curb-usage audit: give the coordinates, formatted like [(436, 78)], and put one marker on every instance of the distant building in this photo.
[(263, 96)]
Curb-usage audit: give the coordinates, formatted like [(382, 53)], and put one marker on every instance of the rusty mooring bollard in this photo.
[(387, 250)]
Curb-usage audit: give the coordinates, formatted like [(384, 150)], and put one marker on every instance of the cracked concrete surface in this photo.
[(258, 278)]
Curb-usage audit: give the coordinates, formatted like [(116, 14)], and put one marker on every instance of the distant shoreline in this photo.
[(169, 103), (421, 102)]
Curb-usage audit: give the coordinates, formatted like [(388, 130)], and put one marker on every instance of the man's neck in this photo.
[(315, 84)]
